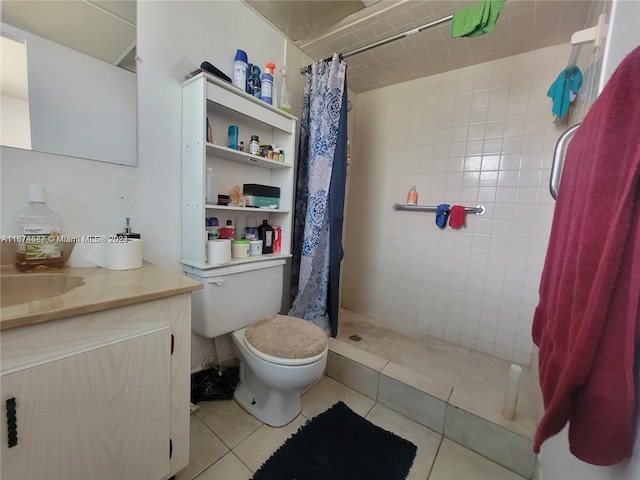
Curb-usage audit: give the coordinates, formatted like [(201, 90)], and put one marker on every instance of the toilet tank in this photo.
[(235, 296)]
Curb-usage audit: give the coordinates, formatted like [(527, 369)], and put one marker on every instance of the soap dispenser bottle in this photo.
[(128, 233)]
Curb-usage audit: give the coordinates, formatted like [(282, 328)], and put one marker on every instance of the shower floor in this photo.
[(456, 391)]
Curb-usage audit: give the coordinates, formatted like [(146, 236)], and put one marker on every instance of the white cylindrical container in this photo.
[(240, 248), (218, 251), (255, 247), (511, 394)]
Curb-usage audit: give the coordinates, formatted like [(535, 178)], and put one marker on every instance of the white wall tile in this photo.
[(482, 134)]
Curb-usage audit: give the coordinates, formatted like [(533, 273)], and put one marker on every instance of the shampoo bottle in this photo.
[(39, 226), (267, 83), (412, 196)]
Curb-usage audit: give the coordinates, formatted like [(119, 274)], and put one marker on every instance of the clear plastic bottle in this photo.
[(412, 196), (41, 246), (284, 99)]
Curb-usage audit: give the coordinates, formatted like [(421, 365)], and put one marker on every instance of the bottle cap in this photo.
[(37, 193), (241, 55), (269, 68)]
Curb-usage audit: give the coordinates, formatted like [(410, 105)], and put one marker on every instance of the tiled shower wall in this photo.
[(478, 135)]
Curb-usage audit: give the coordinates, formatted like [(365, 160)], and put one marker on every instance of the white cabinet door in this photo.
[(101, 414)]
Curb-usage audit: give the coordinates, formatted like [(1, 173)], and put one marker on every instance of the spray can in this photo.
[(267, 83), (240, 70)]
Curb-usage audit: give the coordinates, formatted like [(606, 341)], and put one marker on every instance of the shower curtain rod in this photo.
[(379, 43)]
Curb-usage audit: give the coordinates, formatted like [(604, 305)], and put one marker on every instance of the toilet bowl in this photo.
[(279, 358)]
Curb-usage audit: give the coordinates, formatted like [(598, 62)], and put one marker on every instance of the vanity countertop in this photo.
[(102, 289)]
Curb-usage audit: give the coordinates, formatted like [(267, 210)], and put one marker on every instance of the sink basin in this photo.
[(27, 287)]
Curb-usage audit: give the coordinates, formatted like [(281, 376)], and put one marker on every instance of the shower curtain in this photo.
[(320, 193)]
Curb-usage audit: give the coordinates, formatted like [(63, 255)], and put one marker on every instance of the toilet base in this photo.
[(273, 407)]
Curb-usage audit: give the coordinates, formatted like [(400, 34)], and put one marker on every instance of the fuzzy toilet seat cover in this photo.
[(286, 337)]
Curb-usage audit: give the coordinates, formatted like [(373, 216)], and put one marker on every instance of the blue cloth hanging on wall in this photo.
[(569, 81), (317, 233)]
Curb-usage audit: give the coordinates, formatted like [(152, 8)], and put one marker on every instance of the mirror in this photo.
[(68, 78)]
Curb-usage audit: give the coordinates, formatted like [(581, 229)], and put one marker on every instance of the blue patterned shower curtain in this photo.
[(320, 192)]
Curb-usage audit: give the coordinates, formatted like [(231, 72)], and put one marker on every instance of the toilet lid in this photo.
[(286, 340)]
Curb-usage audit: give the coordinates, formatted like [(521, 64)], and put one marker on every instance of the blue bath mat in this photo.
[(339, 444)]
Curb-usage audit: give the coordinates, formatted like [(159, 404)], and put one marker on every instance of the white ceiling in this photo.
[(523, 25), (105, 29)]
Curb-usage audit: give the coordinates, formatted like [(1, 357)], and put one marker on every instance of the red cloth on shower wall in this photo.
[(587, 321)]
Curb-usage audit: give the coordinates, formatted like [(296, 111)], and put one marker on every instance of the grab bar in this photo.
[(558, 160), (478, 209)]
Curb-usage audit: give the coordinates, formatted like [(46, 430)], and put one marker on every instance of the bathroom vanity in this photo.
[(94, 373)]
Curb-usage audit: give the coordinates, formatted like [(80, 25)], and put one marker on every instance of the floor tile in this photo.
[(228, 467), (228, 420), (204, 450), (486, 401), (327, 392), (353, 374), (490, 440), (454, 462), (261, 444), (412, 402), (427, 441)]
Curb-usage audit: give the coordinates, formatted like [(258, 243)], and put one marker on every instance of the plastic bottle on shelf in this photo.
[(284, 99), (240, 70), (39, 227), (412, 196), (267, 83), (228, 231), (265, 233), (254, 145)]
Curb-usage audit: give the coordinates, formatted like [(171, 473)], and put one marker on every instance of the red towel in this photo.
[(587, 323), (456, 216)]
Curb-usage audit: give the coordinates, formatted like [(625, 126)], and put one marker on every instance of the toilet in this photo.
[(279, 356)]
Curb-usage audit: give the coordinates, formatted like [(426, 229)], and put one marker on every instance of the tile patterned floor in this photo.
[(466, 378), (229, 444)]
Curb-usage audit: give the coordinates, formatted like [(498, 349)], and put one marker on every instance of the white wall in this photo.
[(478, 135)]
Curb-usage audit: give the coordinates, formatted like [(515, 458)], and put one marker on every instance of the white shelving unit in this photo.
[(205, 96)]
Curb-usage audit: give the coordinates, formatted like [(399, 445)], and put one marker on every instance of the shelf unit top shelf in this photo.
[(230, 87)]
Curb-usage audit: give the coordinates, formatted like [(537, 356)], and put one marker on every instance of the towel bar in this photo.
[(478, 209), (558, 159)]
